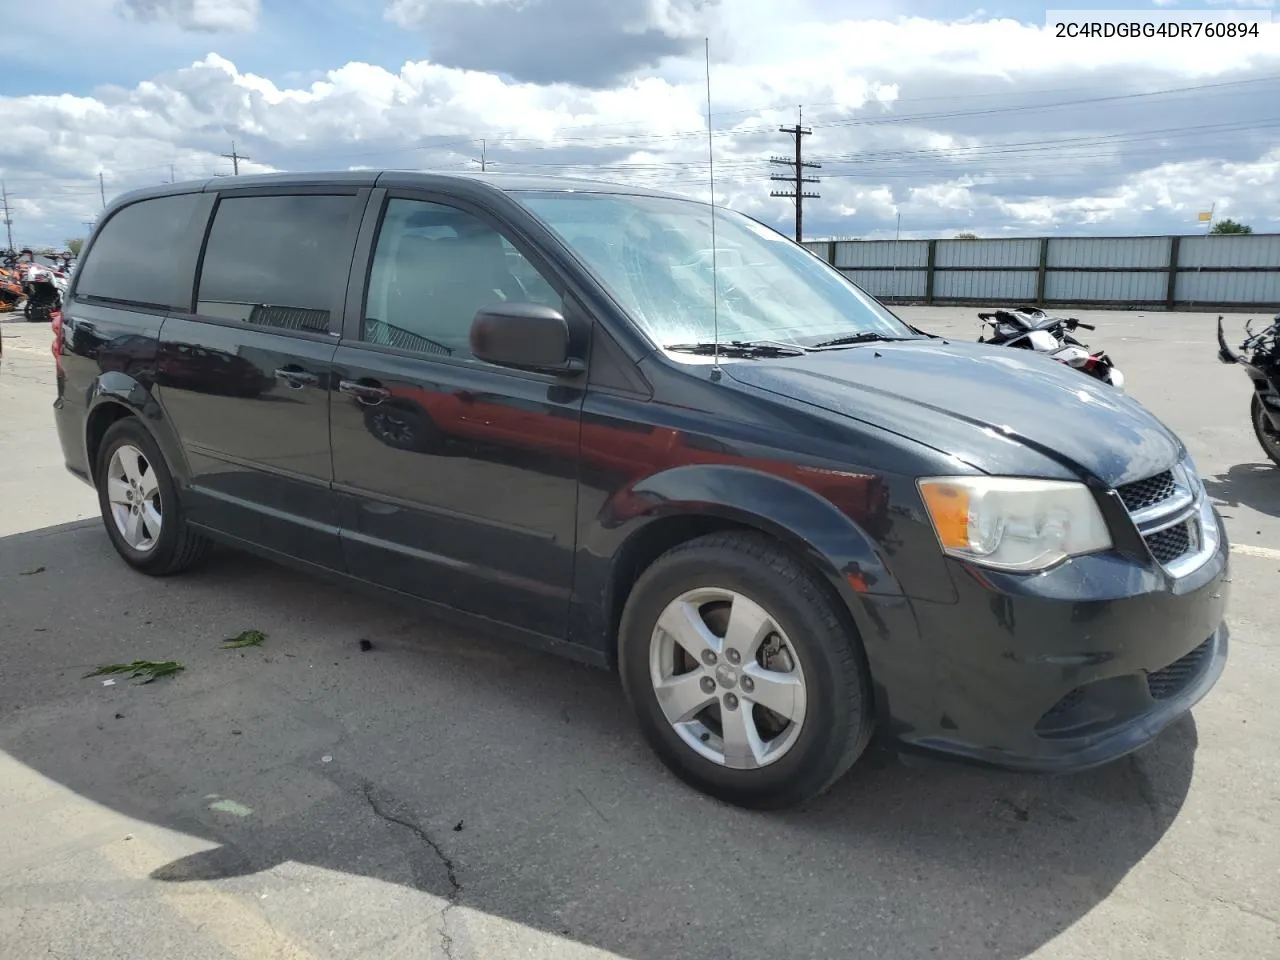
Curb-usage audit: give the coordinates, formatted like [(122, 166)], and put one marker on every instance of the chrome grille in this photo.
[(1165, 507), (1147, 493)]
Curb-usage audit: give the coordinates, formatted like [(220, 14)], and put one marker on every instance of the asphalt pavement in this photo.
[(444, 795)]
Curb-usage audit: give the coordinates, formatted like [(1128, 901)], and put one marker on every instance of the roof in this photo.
[(502, 182)]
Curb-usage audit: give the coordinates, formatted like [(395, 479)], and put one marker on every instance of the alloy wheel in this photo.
[(133, 491), (727, 678)]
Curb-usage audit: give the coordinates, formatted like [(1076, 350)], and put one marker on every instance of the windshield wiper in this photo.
[(848, 340), (739, 348)]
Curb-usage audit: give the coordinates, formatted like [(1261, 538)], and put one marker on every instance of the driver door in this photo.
[(457, 479)]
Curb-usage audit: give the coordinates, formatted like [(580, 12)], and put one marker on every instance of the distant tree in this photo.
[(75, 245), (1230, 226), (966, 235)]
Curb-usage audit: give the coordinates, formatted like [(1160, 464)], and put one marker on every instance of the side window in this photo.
[(135, 258), (434, 266), (277, 261)]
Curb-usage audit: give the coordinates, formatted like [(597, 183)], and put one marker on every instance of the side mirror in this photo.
[(526, 336)]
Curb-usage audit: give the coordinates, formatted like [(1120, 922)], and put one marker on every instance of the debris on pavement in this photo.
[(33, 571), (150, 669), (247, 638), (365, 646)]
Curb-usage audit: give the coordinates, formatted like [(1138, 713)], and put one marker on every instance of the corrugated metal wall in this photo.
[(1206, 270)]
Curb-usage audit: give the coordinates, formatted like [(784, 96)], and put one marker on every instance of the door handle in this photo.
[(296, 377), (368, 392)]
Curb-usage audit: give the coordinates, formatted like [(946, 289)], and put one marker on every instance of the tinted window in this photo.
[(434, 266), (136, 256), (277, 261)]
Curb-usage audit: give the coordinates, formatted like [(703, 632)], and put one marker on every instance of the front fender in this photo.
[(782, 508)]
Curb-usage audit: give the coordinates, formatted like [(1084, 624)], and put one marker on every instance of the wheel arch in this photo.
[(117, 396), (689, 502)]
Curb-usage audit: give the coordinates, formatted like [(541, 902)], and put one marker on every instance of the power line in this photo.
[(799, 165)]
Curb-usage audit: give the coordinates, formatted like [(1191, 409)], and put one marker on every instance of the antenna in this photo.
[(715, 292)]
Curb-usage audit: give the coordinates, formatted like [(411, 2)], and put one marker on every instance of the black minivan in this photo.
[(551, 407)]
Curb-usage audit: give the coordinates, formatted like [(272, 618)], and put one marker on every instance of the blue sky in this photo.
[(951, 116)]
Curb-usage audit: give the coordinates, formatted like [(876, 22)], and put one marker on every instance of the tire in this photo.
[(176, 547), (38, 312), (402, 427), (1268, 438), (821, 650)]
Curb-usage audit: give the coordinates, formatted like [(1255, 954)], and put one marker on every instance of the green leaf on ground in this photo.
[(249, 638), (150, 669), (33, 571)]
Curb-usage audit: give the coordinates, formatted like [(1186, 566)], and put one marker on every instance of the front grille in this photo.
[(1147, 493), (1169, 544), (1146, 496), (1180, 674)]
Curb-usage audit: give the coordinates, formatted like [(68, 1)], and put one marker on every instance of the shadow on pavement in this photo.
[(514, 783), (1255, 485)]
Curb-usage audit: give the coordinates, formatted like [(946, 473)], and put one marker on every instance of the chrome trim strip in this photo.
[(1206, 531), (1182, 516), (1181, 500)]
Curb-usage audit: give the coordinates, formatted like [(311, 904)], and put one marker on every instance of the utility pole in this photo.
[(483, 147), (102, 189), (797, 177), (235, 158), (8, 220)]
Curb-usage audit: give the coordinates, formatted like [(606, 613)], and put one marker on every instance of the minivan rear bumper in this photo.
[(1067, 671)]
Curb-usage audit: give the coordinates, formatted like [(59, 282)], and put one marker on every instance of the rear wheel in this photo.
[(140, 505), (1267, 434), (747, 681)]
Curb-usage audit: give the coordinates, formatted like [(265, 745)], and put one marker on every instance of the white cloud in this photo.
[(205, 16), (959, 135)]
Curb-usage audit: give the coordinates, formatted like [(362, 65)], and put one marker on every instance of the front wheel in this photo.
[(39, 311), (747, 679), (1267, 434)]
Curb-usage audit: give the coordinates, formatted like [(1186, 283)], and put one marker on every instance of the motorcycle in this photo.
[(1030, 328), (44, 287), (1259, 354)]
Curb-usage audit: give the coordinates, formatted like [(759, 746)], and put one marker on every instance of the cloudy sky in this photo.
[(950, 116)]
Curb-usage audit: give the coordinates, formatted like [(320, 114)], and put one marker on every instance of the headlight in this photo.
[(1014, 524)]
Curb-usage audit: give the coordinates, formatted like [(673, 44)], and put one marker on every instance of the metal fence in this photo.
[(1240, 271)]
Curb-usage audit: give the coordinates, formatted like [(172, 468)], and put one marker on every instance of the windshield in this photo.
[(654, 256)]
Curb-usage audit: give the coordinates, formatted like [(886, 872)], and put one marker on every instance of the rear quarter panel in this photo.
[(109, 357)]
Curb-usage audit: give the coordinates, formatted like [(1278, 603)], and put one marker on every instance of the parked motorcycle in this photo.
[(1259, 354), (44, 287), (1030, 328)]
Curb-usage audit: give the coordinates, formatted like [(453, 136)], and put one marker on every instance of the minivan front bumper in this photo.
[(1069, 669)]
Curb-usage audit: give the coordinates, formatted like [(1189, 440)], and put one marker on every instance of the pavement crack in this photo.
[(446, 939), (455, 888)]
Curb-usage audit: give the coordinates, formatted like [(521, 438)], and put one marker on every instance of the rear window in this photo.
[(137, 256), (278, 261)]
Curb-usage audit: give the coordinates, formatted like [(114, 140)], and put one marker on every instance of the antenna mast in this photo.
[(715, 292)]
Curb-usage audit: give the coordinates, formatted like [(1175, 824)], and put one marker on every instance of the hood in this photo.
[(987, 406)]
